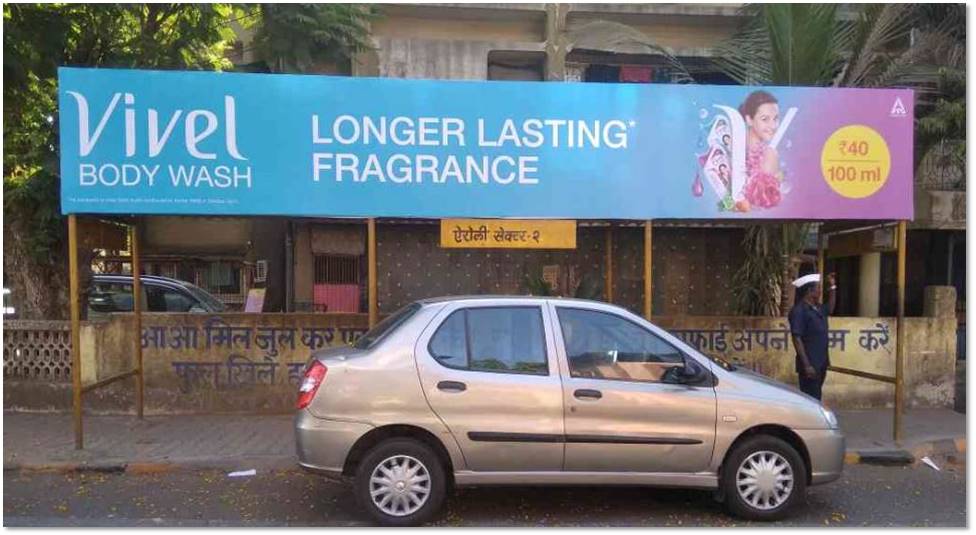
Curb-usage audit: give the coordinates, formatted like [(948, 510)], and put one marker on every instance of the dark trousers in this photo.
[(813, 387)]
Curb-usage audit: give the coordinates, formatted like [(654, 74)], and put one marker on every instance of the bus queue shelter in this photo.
[(307, 146)]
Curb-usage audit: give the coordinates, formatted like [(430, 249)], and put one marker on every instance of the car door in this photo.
[(489, 371), (622, 413)]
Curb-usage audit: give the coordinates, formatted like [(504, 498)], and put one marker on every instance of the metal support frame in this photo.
[(137, 316), (866, 375), (371, 270), (648, 280), (821, 246), (900, 338), (609, 264), (75, 304), (75, 295), (108, 381), (899, 379), (74, 283)]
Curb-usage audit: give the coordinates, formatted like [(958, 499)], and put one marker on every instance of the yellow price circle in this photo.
[(855, 161)]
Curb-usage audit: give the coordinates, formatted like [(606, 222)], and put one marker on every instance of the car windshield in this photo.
[(211, 302), (386, 326)]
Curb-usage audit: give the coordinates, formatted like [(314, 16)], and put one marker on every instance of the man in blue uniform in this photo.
[(808, 324)]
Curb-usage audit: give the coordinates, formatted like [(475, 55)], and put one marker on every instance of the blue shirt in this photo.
[(809, 324)]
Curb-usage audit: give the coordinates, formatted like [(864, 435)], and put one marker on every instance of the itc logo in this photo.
[(898, 109), (198, 125)]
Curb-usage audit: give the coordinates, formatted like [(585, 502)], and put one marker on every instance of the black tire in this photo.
[(392, 448), (736, 504)]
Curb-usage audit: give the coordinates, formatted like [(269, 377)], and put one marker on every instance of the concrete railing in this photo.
[(37, 350), (252, 362)]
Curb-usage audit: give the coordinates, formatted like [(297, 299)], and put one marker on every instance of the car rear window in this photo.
[(387, 326), (492, 339)]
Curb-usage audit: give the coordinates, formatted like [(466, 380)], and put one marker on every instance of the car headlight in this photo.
[(829, 416)]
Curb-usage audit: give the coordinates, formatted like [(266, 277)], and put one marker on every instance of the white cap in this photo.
[(806, 279)]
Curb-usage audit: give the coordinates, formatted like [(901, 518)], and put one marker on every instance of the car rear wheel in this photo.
[(401, 482), (763, 479)]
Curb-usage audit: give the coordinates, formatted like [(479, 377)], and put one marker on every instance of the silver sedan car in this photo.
[(489, 390)]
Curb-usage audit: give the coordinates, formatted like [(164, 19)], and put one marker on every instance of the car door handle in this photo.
[(586, 393), (452, 386)]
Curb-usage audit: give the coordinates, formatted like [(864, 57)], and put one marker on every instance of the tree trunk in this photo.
[(39, 290)]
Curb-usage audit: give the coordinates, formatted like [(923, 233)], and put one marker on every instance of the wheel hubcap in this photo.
[(400, 485), (765, 480)]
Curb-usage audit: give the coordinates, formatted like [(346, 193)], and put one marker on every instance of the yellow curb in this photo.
[(960, 445), (60, 468), (852, 457), (923, 451), (149, 468)]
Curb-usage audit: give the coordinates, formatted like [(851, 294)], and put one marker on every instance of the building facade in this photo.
[(319, 265)]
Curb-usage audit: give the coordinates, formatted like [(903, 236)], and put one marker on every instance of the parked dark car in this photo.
[(113, 293)]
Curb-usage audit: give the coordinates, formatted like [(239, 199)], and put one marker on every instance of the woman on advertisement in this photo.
[(761, 113)]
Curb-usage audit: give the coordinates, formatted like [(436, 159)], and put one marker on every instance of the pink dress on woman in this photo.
[(762, 188)]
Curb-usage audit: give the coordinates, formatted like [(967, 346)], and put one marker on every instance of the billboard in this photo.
[(206, 143)]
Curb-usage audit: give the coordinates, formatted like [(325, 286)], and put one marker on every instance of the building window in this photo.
[(337, 286), (221, 278), (516, 65)]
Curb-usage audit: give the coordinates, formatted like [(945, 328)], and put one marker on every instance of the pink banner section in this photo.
[(335, 297)]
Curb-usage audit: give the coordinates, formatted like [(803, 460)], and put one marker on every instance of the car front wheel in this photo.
[(763, 479), (401, 482)]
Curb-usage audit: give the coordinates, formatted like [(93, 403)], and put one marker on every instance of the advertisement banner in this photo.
[(205, 143), (507, 234)]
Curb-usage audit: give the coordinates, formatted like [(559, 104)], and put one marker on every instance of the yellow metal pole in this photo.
[(75, 297), (137, 316), (821, 245), (900, 338), (609, 291), (371, 277), (648, 281)]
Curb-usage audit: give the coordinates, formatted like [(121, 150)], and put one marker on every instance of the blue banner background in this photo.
[(652, 178)]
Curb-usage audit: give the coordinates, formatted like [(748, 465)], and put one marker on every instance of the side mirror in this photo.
[(691, 373)]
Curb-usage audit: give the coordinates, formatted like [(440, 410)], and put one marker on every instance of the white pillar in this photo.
[(869, 285)]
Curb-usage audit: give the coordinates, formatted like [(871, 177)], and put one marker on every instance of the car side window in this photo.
[(601, 345), (492, 339), (112, 297), (167, 300)]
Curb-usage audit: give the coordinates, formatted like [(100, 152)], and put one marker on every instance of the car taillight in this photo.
[(314, 377)]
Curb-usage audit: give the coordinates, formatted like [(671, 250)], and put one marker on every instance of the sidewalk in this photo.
[(925, 431), (158, 443), (240, 442)]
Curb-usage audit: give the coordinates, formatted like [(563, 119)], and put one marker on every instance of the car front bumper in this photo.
[(826, 448)]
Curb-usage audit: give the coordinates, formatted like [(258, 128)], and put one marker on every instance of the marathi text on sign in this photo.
[(508, 234)]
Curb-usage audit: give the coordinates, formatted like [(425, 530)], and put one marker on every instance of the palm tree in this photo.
[(875, 45), (298, 38), (294, 37)]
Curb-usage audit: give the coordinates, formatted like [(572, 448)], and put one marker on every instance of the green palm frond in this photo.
[(785, 44), (879, 31), (294, 37)]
